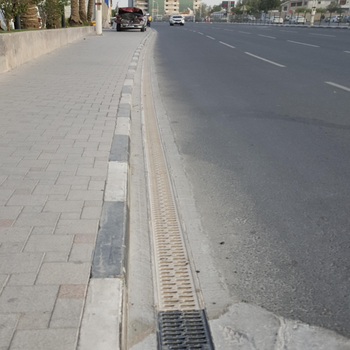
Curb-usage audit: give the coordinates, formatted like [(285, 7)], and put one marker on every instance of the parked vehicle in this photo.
[(130, 18), (336, 19), (251, 18), (276, 20), (298, 19), (176, 19)]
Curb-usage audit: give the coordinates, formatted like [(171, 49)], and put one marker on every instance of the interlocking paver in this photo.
[(56, 133), (28, 298), (63, 273), (44, 339), (8, 323)]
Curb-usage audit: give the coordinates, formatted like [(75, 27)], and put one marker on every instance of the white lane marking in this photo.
[(244, 32), (287, 31), (264, 59), (297, 42), (347, 51), (200, 33), (210, 37), (331, 36), (221, 42), (266, 36), (338, 86)]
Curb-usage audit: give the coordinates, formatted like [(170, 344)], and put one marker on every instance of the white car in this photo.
[(276, 19), (336, 19), (176, 19), (298, 19)]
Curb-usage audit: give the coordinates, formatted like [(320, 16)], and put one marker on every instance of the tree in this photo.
[(74, 19), (11, 8), (82, 11), (334, 7), (29, 19), (90, 10), (51, 12), (216, 8), (267, 5), (202, 11)]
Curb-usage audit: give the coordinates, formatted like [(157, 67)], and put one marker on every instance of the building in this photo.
[(164, 8), (291, 5)]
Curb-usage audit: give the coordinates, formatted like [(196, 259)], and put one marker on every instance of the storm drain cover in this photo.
[(183, 330), (182, 322)]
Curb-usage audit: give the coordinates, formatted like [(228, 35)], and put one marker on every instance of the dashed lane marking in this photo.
[(338, 86), (267, 36), (210, 37), (264, 59), (244, 32), (200, 33), (347, 51), (297, 42), (288, 31), (331, 36), (221, 42)]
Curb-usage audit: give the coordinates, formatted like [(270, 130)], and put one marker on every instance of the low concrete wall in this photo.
[(22, 47)]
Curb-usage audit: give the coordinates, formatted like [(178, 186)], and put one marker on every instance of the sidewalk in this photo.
[(59, 144)]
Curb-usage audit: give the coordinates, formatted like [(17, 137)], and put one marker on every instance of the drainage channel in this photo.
[(182, 322)]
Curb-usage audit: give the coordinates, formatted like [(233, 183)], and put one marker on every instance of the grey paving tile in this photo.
[(10, 247), (91, 213), (28, 298), (49, 243), (20, 262), (42, 175), (77, 226), (36, 219), (47, 189), (91, 171), (81, 252), (43, 230), (8, 323), (56, 257), (63, 206), (85, 195), (34, 320), (63, 273), (67, 313), (97, 185), (14, 234), (10, 212), (45, 339), (5, 194), (22, 279), (73, 180), (27, 200)]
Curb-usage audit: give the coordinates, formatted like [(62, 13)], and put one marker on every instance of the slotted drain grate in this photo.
[(182, 323), (183, 330)]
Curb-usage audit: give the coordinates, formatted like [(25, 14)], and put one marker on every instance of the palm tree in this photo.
[(82, 11), (74, 19), (29, 19), (90, 10)]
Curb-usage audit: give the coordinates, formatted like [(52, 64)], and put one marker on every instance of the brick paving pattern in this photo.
[(57, 121)]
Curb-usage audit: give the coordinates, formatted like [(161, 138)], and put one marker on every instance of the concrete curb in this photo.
[(100, 324)]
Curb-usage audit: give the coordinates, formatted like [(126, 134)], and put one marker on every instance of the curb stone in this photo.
[(102, 316)]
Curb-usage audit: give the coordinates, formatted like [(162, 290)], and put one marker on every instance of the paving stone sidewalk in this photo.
[(57, 119)]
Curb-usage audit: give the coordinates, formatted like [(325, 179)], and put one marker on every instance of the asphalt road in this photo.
[(261, 117)]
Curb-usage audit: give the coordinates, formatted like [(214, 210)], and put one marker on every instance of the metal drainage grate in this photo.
[(183, 330)]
